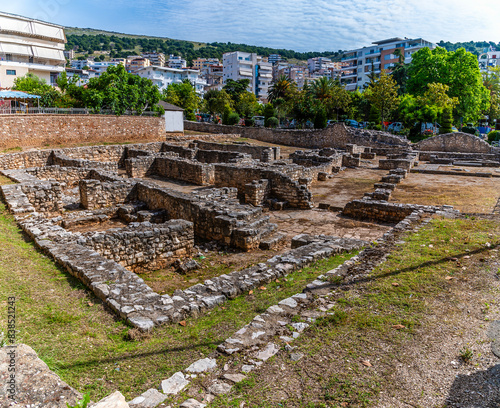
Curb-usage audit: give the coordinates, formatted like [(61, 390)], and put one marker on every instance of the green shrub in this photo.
[(494, 136), (249, 122), (469, 129), (320, 120), (233, 119), (272, 122), (446, 122), (377, 127)]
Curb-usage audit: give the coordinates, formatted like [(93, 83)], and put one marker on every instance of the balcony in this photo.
[(348, 74), (352, 57), (374, 53), (34, 66)]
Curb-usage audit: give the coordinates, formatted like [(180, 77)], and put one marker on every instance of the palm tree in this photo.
[(279, 88), (322, 88)]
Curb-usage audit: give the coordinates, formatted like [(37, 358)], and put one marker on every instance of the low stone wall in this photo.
[(455, 142), (143, 246), (483, 157), (141, 166), (40, 130), (68, 175), (382, 211), (262, 153), (337, 136), (96, 194), (220, 156), (60, 159), (185, 170), (44, 196)]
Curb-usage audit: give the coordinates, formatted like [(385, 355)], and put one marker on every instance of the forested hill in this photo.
[(476, 47), (122, 45)]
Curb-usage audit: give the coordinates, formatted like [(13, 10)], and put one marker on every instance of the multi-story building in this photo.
[(162, 77), (319, 63), (30, 46), (156, 58), (84, 75), (358, 65), (177, 62), (213, 74), (135, 64), (244, 65), (201, 63), (98, 67), (69, 54), (489, 60), (274, 58)]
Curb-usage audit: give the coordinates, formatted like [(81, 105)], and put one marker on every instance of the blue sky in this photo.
[(314, 25)]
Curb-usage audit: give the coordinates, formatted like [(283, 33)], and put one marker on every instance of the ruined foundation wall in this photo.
[(69, 175), (143, 246), (262, 153), (96, 194), (185, 170), (44, 196)]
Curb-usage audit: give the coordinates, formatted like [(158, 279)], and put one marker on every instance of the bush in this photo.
[(320, 120), (469, 129), (249, 122), (272, 122), (377, 127), (446, 122), (233, 119), (494, 136)]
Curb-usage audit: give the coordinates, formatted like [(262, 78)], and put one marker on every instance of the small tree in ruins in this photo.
[(383, 94)]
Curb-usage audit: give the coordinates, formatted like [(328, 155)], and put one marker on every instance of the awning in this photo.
[(17, 95)]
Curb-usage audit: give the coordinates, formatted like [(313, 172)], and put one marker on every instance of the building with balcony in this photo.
[(320, 63), (99, 67), (244, 65), (274, 58), (135, 64), (156, 58), (488, 60), (84, 75), (203, 63), (30, 46), (177, 62), (358, 65), (162, 77)]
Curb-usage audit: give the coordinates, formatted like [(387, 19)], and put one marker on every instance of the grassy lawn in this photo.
[(350, 356), (91, 349)]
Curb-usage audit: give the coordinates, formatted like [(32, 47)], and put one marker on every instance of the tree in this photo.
[(247, 104), (216, 101), (120, 91), (383, 95), (236, 88), (446, 121), (279, 89), (320, 120), (268, 112), (183, 95), (400, 72), (457, 69), (30, 83)]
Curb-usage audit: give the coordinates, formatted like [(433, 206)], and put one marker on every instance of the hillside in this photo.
[(121, 45)]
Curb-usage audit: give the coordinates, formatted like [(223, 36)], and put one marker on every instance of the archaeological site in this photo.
[(167, 233)]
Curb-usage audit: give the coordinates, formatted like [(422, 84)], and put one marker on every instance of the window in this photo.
[(11, 72), (387, 57), (8, 57)]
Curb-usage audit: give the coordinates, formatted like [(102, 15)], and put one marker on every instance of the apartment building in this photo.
[(99, 67), (135, 64), (177, 62), (274, 58), (156, 58), (162, 77), (30, 46), (201, 63), (84, 75), (244, 65), (320, 63), (69, 54), (489, 60), (297, 73), (358, 64)]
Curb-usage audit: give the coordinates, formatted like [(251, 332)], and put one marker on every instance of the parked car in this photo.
[(258, 121), (395, 127), (428, 127), (331, 122), (454, 129), (363, 125), (351, 122)]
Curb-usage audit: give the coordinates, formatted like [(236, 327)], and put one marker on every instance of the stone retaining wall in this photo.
[(455, 142), (42, 130), (143, 246), (337, 136), (262, 153), (191, 171)]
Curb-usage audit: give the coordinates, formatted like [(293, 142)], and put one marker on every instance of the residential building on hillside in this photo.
[(156, 58), (244, 65), (177, 62), (162, 77), (319, 63), (274, 58), (97, 66), (489, 60), (69, 54), (297, 73), (201, 63), (136, 64), (30, 46), (213, 76), (358, 64), (84, 75)]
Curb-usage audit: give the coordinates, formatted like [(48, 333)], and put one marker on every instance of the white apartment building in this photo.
[(489, 60), (319, 63), (177, 62), (244, 65), (162, 77), (84, 75), (99, 67), (30, 46), (358, 64)]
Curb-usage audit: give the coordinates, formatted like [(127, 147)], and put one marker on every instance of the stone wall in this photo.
[(337, 136), (58, 158), (96, 194), (185, 170), (262, 153), (143, 246), (454, 142), (44, 196), (68, 175), (40, 130)]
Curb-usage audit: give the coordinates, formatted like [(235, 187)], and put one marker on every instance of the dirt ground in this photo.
[(467, 194)]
